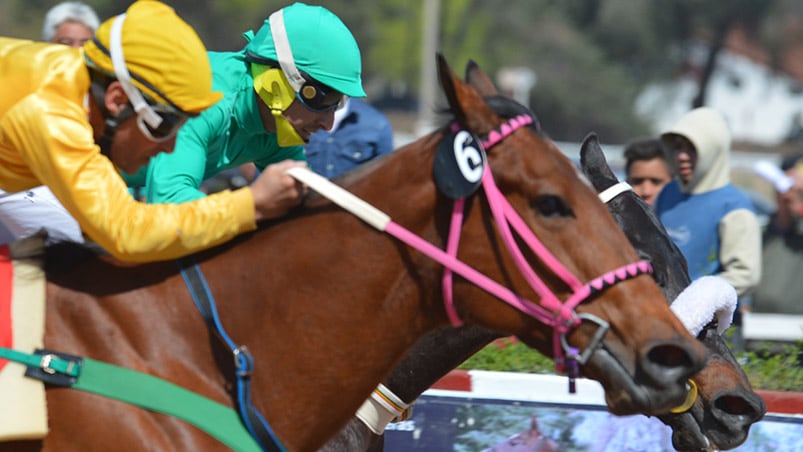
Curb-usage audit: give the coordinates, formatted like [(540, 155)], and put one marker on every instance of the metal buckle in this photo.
[(243, 362), (44, 363), (596, 341)]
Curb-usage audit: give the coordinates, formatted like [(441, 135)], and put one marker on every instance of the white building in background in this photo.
[(762, 106)]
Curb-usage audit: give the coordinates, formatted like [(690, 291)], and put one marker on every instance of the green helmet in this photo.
[(321, 45)]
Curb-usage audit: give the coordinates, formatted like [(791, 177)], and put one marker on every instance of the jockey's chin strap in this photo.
[(551, 310)]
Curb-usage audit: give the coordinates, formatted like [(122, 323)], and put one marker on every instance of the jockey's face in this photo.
[(131, 148), (303, 120)]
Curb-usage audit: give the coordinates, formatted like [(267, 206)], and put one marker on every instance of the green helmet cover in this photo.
[(322, 46)]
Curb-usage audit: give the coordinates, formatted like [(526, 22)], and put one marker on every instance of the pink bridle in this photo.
[(561, 316), (551, 311)]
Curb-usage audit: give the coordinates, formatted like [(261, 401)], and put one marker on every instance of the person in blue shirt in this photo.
[(360, 133), (709, 219)]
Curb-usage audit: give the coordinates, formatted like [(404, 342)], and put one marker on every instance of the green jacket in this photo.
[(224, 136)]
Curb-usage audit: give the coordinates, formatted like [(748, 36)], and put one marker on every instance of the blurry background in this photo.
[(620, 68)]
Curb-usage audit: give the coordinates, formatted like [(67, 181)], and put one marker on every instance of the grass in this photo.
[(770, 367)]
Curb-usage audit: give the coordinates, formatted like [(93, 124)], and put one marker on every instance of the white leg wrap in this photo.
[(380, 409)]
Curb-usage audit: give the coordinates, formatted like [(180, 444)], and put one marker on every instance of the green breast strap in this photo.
[(146, 391)]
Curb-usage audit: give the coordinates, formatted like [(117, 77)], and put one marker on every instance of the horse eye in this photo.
[(551, 206)]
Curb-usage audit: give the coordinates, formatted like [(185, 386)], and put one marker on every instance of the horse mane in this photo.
[(508, 108)]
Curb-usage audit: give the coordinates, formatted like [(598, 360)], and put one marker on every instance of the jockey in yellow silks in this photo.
[(71, 119)]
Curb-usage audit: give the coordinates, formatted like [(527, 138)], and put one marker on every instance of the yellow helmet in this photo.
[(164, 56)]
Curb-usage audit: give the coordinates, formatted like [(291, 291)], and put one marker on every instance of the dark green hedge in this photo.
[(770, 366)]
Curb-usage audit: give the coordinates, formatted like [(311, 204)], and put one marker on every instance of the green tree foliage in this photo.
[(591, 57)]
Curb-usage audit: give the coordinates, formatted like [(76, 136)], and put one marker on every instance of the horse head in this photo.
[(726, 405), (647, 235), (645, 355)]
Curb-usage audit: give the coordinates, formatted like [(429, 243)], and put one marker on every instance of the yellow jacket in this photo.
[(46, 139)]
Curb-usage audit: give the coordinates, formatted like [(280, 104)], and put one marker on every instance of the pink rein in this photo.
[(560, 315)]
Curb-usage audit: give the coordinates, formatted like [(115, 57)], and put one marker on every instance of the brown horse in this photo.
[(327, 305), (726, 406)]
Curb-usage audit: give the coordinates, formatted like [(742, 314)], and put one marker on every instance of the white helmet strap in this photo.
[(124, 77), (283, 51)]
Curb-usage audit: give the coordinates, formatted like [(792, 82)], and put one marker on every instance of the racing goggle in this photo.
[(318, 97), (167, 128), (170, 122), (312, 94)]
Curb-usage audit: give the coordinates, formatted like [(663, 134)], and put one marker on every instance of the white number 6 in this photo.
[(468, 158)]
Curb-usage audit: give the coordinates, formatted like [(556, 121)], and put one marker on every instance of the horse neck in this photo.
[(433, 356), (343, 301)]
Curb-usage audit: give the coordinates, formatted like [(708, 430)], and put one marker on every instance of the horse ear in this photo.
[(594, 164), (465, 102), (451, 85), (479, 80)]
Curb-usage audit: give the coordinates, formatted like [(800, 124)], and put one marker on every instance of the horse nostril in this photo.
[(670, 356), (737, 406)]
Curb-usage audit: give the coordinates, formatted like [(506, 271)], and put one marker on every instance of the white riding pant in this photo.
[(24, 213)]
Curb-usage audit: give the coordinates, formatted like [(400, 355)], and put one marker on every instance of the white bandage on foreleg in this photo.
[(706, 297), (380, 409)]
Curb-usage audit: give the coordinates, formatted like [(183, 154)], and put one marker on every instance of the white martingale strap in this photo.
[(341, 197), (382, 408), (124, 77), (283, 51), (613, 191)]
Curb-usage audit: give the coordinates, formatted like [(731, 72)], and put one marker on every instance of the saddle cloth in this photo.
[(23, 409)]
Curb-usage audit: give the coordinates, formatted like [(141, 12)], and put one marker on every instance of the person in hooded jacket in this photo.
[(285, 84), (710, 220)]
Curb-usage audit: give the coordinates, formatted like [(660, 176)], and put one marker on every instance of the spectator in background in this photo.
[(707, 217), (780, 290), (647, 168), (72, 24), (359, 133)]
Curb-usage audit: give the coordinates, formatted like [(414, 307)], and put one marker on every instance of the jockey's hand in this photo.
[(276, 192)]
